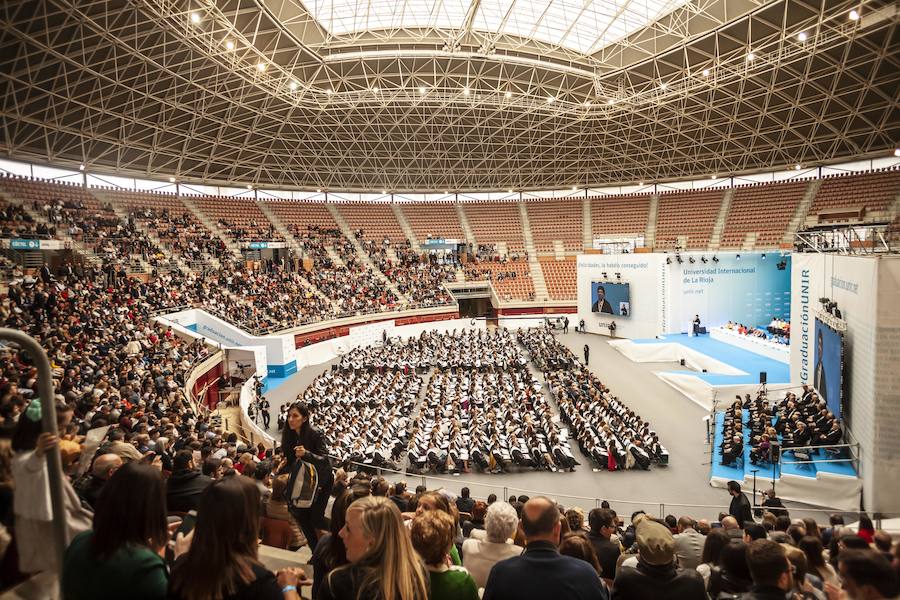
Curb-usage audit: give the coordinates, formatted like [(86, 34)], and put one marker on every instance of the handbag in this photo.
[(303, 484)]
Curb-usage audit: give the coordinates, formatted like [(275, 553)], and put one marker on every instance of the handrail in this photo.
[(48, 424)]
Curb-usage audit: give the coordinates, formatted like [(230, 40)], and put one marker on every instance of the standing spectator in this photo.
[(688, 544), (301, 441), (740, 506), (186, 484), (656, 574), (541, 572), (432, 535), (223, 561), (382, 561), (587, 352), (770, 569), (479, 556), (602, 522), (121, 555)]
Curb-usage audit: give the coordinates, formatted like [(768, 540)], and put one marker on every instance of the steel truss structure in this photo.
[(447, 95)]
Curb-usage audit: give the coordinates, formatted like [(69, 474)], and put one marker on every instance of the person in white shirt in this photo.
[(480, 555)]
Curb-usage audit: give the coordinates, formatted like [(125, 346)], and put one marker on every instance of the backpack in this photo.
[(303, 485)]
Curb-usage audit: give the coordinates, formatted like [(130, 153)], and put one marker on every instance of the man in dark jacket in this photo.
[(465, 503), (740, 506), (185, 485), (656, 575), (541, 572), (603, 525), (770, 569)]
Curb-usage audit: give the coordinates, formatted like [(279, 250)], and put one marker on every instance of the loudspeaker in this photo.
[(704, 370), (681, 362), (762, 377)]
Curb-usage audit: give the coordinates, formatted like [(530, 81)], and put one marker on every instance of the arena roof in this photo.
[(459, 95)]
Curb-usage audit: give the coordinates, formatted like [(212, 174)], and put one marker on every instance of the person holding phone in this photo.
[(300, 441)]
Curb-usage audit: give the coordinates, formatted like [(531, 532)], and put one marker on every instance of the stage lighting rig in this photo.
[(618, 277), (691, 260), (668, 260), (781, 265), (764, 256), (678, 258), (738, 257), (715, 259), (703, 260), (604, 275)]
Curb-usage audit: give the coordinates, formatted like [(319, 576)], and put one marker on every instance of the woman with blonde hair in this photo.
[(383, 564)]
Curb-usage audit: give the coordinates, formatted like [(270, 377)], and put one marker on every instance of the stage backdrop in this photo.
[(646, 278), (866, 289), (749, 290)]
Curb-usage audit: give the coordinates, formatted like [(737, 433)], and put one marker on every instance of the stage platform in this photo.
[(719, 371)]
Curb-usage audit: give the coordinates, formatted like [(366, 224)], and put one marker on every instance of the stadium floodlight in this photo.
[(508, 94), (751, 57), (81, 167), (229, 45), (261, 67), (798, 166), (375, 90), (384, 191), (706, 72), (854, 15), (293, 85), (171, 180), (897, 152), (422, 90), (802, 36), (551, 99), (329, 91), (663, 85), (195, 17), (318, 190), (466, 91), (611, 101)]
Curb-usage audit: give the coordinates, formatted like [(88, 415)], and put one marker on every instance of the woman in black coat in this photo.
[(300, 440)]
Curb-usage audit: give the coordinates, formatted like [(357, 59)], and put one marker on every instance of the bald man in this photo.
[(541, 571), (104, 467)]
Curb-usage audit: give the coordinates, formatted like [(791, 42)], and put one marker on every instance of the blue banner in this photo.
[(21, 244)]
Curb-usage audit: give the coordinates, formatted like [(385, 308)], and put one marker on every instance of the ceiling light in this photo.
[(550, 99), (375, 90), (384, 191), (249, 187), (195, 17), (81, 167), (714, 177), (574, 188), (422, 90), (854, 16), (663, 85), (261, 66), (640, 183), (587, 103), (446, 192), (706, 72), (611, 101), (171, 180), (229, 45), (750, 56), (329, 91), (509, 191), (797, 167), (293, 85), (508, 94), (466, 91), (897, 152), (801, 36), (318, 190)]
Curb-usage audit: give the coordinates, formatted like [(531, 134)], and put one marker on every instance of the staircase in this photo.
[(749, 241), (230, 244), (124, 216), (559, 250), (719, 228), (361, 254), (587, 225), (537, 274), (802, 211), (406, 227), (650, 234), (280, 227), (464, 223)]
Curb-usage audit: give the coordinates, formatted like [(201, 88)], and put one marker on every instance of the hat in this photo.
[(656, 545)]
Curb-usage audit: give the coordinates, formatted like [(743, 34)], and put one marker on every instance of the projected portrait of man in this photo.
[(819, 381), (602, 304)]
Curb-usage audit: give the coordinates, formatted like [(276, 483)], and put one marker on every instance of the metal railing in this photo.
[(853, 449), (48, 425)]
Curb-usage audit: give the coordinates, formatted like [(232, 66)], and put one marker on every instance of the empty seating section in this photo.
[(377, 221), (553, 220), (511, 279), (764, 208), (874, 191), (496, 222), (238, 218), (438, 220), (619, 216), (692, 214), (560, 276)]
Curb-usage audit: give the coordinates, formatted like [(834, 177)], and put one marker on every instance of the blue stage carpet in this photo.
[(750, 363)]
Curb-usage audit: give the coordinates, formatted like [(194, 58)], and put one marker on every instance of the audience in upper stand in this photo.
[(121, 555)]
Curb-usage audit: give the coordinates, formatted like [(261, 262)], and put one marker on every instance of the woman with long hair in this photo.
[(330, 552), (223, 560), (815, 559), (301, 441), (383, 564), (866, 529), (122, 553), (716, 539)]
